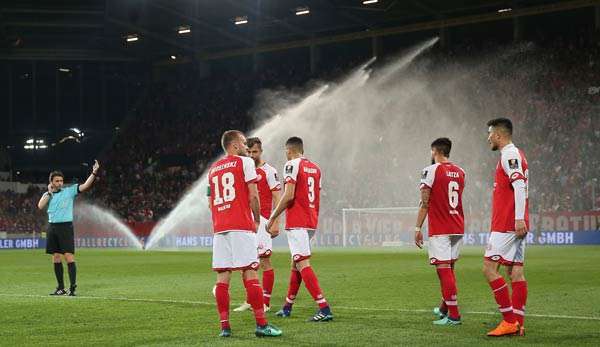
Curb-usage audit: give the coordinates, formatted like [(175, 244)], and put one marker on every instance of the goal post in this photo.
[(378, 227)]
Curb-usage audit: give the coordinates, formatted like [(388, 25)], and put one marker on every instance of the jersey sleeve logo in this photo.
[(424, 174), (515, 176), (276, 178), (289, 169), (513, 163)]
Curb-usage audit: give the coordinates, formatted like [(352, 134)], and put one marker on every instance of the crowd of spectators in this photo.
[(175, 135), (19, 212)]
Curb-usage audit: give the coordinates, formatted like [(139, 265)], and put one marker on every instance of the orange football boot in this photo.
[(505, 328)]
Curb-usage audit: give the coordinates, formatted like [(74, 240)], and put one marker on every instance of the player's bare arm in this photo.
[(254, 203), (423, 208), (288, 196), (90, 180), (274, 230)]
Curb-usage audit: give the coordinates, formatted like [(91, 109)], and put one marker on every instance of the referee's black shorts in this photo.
[(61, 238)]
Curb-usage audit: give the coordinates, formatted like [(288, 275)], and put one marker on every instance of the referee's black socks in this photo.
[(58, 271), (72, 274)]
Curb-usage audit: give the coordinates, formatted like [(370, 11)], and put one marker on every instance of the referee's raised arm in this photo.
[(45, 198), (90, 180)]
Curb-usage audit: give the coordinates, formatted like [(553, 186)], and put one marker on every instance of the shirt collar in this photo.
[(507, 147)]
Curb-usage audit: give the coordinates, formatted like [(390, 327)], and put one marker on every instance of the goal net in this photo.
[(379, 227)]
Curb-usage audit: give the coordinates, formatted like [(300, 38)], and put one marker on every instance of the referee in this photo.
[(61, 240)]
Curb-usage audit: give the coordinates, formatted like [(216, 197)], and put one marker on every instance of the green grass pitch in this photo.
[(379, 297)]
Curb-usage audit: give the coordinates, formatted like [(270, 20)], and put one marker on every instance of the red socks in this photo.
[(448, 284), (295, 282), (255, 299), (519, 299), (500, 289), (268, 278), (312, 284), (222, 296)]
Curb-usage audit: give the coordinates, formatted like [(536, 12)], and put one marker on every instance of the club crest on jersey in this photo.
[(513, 163), (289, 169), (515, 176), (424, 174)]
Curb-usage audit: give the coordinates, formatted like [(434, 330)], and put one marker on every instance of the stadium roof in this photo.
[(97, 29)]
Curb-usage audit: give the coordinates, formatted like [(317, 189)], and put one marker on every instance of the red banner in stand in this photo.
[(142, 229)]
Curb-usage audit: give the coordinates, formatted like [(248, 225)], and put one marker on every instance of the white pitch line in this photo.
[(172, 301), (168, 301)]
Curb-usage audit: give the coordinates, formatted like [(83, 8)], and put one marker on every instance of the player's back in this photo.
[(228, 180), (512, 166), (303, 212), (445, 214)]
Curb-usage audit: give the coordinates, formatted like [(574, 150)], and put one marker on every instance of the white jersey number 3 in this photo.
[(311, 189), (453, 193), (227, 181)]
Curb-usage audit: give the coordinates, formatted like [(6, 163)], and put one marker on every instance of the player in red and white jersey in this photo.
[(442, 184), (234, 203), (510, 222), (301, 200), (269, 190)]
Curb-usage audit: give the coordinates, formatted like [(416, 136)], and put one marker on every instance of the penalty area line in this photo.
[(351, 308)]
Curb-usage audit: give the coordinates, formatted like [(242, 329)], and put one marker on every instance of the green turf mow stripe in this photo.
[(170, 301)]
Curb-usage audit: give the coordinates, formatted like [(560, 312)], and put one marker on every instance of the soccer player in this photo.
[(300, 200), (510, 222), (234, 203), (61, 238), (442, 184), (269, 190)]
